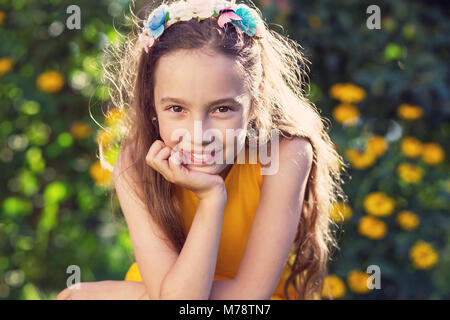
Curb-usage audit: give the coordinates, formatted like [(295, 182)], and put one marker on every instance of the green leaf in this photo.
[(14, 206), (28, 183), (30, 292), (49, 217), (65, 139), (30, 107), (393, 52), (55, 192)]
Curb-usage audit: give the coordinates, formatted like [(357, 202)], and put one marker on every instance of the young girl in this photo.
[(203, 227)]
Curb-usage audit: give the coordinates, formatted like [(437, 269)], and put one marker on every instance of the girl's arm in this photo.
[(115, 290), (105, 290), (166, 274), (192, 275), (274, 226)]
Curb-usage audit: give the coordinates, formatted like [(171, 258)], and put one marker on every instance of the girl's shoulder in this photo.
[(288, 147)]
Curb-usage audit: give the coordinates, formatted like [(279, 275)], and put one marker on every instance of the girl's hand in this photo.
[(168, 162)]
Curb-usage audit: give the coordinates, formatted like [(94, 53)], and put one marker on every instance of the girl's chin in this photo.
[(212, 168)]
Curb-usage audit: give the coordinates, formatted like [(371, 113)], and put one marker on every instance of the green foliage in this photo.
[(53, 214), (55, 211), (403, 62)]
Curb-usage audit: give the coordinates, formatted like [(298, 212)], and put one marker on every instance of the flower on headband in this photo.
[(179, 11), (222, 5), (228, 15), (242, 17), (249, 22), (146, 41), (156, 20), (202, 8)]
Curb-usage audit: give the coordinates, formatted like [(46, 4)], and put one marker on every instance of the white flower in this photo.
[(202, 8), (221, 4), (179, 11)]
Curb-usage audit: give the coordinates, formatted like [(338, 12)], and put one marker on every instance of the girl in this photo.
[(203, 227)]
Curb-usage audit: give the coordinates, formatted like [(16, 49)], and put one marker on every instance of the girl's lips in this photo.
[(199, 158)]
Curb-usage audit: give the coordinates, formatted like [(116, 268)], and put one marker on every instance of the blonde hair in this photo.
[(274, 61)]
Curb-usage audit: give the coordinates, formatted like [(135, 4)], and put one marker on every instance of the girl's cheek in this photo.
[(166, 134), (171, 134)]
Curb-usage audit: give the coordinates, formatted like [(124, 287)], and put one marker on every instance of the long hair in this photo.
[(274, 61)]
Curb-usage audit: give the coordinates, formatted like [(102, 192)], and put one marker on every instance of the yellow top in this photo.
[(243, 185)]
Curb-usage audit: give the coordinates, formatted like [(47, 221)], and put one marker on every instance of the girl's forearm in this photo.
[(192, 275)]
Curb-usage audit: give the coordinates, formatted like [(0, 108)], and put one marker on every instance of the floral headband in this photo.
[(241, 16)]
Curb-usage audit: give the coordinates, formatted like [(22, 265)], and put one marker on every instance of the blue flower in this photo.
[(249, 20), (156, 20)]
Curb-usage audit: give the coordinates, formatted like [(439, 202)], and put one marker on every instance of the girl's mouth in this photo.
[(199, 157)]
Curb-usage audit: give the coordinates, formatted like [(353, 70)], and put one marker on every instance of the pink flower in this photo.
[(226, 16), (146, 41)]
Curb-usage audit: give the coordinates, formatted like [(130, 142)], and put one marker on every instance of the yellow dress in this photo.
[(243, 185)]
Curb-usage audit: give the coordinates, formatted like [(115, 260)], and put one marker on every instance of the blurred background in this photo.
[(385, 93)]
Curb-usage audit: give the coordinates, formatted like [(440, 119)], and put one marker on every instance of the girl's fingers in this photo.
[(175, 163), (153, 151), (161, 161), (166, 160)]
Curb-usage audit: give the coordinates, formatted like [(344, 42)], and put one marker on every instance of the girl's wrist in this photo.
[(215, 195)]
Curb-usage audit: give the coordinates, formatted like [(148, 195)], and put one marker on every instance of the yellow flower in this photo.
[(50, 81), (2, 17), (408, 220), (409, 112), (6, 65), (379, 204), (346, 114), (432, 153), (357, 281), (333, 287), (411, 147), (340, 211), (80, 130), (410, 172), (377, 145), (105, 137), (102, 177), (360, 160), (423, 255), (347, 92), (372, 228), (113, 116)]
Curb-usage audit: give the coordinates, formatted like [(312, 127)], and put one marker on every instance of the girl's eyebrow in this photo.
[(218, 101)]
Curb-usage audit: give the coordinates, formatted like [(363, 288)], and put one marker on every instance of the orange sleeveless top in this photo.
[(243, 185)]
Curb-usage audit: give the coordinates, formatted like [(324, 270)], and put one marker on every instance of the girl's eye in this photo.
[(176, 109), (223, 109)]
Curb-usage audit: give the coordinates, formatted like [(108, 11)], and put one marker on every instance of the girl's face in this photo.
[(201, 91)]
